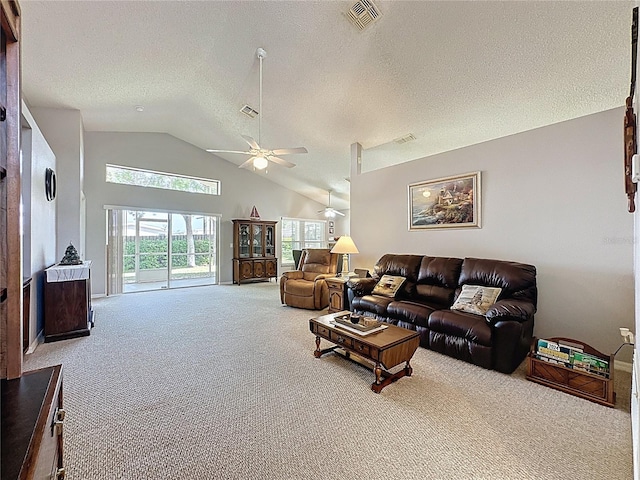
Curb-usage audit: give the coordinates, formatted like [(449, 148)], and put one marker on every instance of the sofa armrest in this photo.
[(293, 275), (510, 309), (359, 287)]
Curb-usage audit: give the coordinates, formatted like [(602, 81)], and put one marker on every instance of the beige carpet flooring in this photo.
[(220, 382)]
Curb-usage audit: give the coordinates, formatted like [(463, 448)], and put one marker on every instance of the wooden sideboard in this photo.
[(67, 302), (32, 424)]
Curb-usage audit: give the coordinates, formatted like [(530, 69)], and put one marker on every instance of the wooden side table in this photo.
[(337, 294)]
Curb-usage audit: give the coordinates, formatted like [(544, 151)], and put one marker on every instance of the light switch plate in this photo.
[(635, 168)]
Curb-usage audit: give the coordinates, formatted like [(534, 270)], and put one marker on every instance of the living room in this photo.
[(552, 196)]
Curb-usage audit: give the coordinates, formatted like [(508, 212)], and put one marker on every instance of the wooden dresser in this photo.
[(32, 423)]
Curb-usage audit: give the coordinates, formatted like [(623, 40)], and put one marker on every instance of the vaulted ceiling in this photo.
[(450, 73)]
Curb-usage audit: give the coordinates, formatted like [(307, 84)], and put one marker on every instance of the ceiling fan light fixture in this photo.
[(260, 162)]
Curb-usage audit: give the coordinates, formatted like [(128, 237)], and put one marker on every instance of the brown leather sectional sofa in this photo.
[(498, 340)]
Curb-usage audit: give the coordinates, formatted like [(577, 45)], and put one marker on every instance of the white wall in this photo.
[(552, 197), (63, 129), (241, 189), (40, 217)]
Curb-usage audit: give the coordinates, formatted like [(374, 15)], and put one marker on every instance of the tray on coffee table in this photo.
[(345, 319)]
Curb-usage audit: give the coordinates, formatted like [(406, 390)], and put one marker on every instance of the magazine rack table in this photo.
[(386, 349), (591, 386)]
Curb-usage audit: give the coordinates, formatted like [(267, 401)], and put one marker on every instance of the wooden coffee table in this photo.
[(386, 349)]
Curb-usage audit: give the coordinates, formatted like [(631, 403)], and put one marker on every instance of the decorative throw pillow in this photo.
[(476, 299), (388, 286)]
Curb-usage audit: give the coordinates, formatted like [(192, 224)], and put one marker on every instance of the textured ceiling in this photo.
[(451, 73)]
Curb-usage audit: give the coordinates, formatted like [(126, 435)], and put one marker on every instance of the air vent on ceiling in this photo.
[(405, 138), (249, 112), (363, 13)]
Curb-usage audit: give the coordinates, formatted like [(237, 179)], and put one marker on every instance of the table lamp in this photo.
[(345, 246)]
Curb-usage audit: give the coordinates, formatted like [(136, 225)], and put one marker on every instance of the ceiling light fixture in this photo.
[(260, 162)]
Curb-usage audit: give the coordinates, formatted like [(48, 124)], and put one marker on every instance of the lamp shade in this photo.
[(344, 245)]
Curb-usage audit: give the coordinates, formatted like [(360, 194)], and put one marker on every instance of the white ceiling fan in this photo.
[(330, 212), (260, 157)]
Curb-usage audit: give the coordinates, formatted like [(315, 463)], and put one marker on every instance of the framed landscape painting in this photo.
[(451, 202)]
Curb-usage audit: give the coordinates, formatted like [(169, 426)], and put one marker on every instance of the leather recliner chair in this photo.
[(306, 287)]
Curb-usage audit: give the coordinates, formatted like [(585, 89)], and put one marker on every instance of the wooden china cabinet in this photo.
[(254, 250)]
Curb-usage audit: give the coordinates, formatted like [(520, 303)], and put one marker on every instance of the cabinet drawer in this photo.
[(361, 348), (341, 339)]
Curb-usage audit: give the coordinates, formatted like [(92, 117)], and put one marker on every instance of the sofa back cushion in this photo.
[(517, 280), (438, 279), (406, 266)]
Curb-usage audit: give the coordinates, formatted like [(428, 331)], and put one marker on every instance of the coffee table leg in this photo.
[(408, 370), (318, 352), (378, 372)]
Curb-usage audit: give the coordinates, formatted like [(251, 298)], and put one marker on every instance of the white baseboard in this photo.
[(37, 341)]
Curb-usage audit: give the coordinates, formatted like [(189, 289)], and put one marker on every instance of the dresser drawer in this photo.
[(341, 339)]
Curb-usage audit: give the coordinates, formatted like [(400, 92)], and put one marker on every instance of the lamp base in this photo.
[(345, 265)]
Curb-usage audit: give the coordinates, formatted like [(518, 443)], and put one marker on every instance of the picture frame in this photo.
[(448, 202), (331, 231), (331, 224)]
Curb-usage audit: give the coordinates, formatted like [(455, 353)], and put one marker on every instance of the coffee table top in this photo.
[(390, 336)]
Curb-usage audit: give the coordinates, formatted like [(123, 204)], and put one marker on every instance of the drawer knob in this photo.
[(60, 414), (340, 340), (60, 474)]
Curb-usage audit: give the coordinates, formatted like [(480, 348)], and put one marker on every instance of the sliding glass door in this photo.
[(150, 250)]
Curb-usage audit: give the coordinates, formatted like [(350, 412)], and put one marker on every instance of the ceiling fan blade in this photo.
[(280, 161), (227, 151), (338, 213), (252, 143), (288, 151), (247, 163)]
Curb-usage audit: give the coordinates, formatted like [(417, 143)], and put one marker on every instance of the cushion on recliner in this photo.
[(437, 279), (468, 326), (371, 303), (415, 313), (399, 265), (517, 280)]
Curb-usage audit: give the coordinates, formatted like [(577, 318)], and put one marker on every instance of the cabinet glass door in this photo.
[(269, 240), (258, 247), (244, 236)]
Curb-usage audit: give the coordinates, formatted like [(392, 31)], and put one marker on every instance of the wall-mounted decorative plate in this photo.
[(50, 184)]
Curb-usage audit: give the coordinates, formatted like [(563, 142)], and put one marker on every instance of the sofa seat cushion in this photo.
[(412, 312), (371, 303), (468, 326)]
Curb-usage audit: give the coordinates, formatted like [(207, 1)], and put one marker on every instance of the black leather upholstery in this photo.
[(499, 339)]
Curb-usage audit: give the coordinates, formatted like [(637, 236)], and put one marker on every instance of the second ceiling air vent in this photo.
[(363, 13), (405, 138)]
